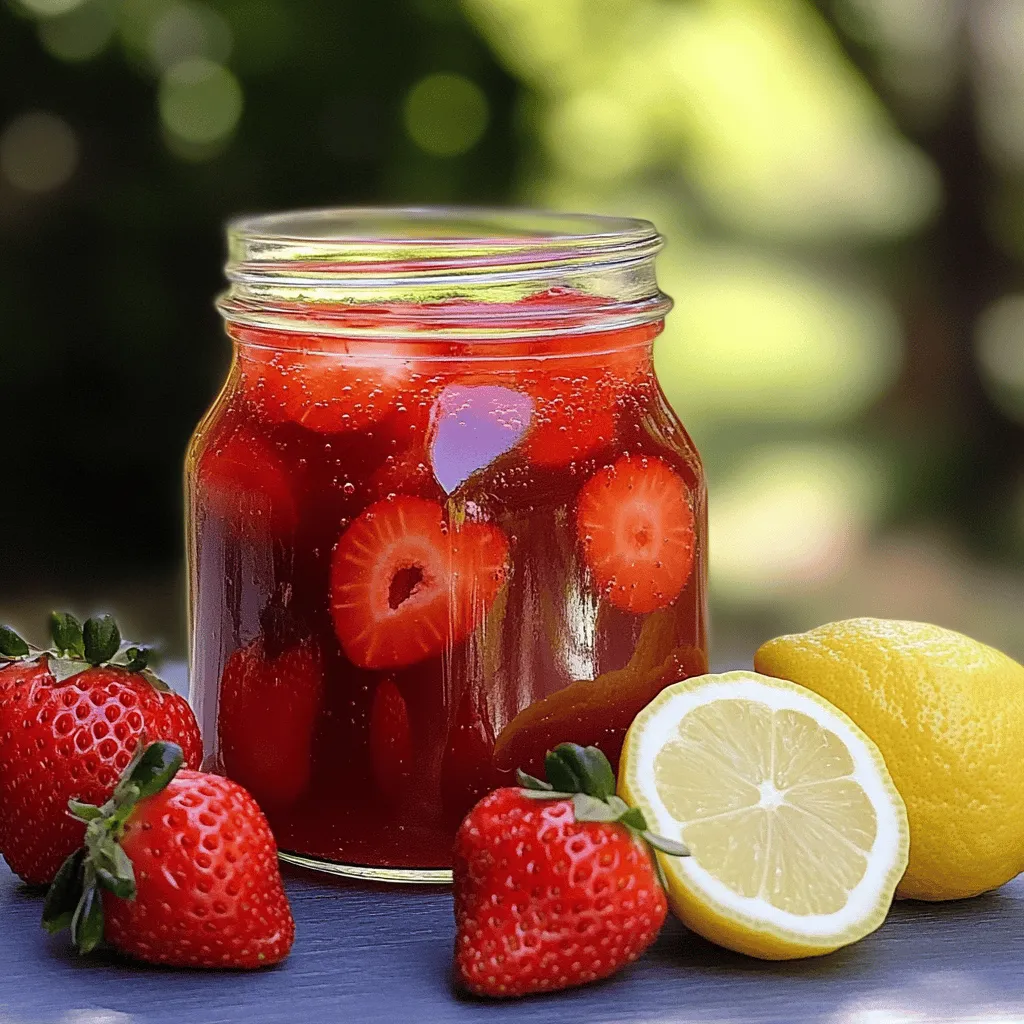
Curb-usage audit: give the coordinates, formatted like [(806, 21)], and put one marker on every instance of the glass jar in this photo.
[(440, 518)]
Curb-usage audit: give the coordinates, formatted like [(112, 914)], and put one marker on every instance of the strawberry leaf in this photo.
[(530, 782), (12, 646), (64, 668), (634, 818), (580, 770), (84, 812), (114, 871), (666, 845), (561, 771), (135, 659), (102, 639), (87, 922), (154, 680), (151, 771), (64, 893), (546, 794), (66, 631), (589, 808)]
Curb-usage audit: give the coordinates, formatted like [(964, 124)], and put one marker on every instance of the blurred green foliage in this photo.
[(841, 183)]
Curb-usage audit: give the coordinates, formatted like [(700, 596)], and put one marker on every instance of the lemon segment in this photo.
[(797, 834), (947, 713)]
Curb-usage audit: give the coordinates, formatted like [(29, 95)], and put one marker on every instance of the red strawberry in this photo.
[(637, 529), (554, 889), (407, 473), (390, 740), (267, 714), (70, 728), (17, 679), (405, 584), (245, 482), (343, 388), (179, 868), (570, 422)]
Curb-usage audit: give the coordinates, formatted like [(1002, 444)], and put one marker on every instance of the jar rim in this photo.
[(376, 231), (430, 258)]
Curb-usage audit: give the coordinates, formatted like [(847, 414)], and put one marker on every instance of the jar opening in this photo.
[(452, 272)]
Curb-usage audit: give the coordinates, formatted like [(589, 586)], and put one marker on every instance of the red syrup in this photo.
[(415, 566)]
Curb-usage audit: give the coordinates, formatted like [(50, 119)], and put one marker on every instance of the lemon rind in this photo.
[(708, 906)]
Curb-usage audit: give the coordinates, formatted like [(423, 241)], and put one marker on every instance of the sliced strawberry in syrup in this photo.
[(636, 526), (329, 392), (569, 423), (243, 480), (408, 473), (267, 713), (404, 584)]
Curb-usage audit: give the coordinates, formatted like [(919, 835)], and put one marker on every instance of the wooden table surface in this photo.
[(366, 953), (372, 953)]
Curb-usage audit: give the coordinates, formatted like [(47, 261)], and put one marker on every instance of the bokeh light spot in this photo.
[(80, 35), (188, 30), (38, 152), (999, 349), (49, 8), (200, 102), (445, 114), (789, 517), (761, 340)]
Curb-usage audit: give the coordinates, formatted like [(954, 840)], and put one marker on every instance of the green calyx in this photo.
[(74, 899), (13, 647), (584, 776), (76, 647)]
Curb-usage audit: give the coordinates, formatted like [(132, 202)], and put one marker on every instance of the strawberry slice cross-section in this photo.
[(636, 526), (405, 584)]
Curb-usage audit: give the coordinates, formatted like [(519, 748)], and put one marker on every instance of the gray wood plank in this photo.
[(374, 954)]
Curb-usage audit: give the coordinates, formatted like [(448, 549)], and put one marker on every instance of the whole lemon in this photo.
[(947, 713)]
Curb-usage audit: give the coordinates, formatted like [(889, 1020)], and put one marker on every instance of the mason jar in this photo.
[(441, 517)]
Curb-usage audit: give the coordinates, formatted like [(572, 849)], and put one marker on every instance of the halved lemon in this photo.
[(796, 832)]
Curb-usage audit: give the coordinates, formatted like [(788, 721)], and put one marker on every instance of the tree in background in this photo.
[(840, 182)]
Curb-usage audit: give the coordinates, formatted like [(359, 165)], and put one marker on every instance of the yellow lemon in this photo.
[(948, 715), (796, 833)]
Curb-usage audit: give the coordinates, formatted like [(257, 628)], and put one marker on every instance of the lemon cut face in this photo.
[(797, 834)]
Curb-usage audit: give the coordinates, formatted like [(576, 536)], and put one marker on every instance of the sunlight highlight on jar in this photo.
[(999, 349), (38, 152), (446, 114), (200, 103), (788, 518)]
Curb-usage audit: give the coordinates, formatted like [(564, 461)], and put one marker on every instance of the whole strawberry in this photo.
[(270, 696), (178, 868), (70, 721), (555, 885)]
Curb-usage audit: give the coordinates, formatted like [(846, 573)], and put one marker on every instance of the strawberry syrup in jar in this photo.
[(440, 518)]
